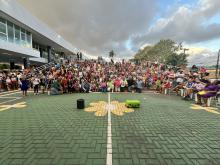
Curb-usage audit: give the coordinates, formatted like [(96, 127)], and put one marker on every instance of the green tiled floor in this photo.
[(51, 131), (165, 131)]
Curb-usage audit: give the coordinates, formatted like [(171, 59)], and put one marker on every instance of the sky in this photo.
[(98, 26)]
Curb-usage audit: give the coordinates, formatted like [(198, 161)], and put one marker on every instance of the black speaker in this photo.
[(12, 65), (80, 104)]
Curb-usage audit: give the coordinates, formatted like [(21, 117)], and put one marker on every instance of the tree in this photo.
[(157, 52), (165, 51), (177, 59), (4, 66), (143, 54), (111, 54)]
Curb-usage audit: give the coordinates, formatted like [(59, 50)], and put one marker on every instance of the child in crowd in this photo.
[(166, 86), (158, 85), (103, 86), (188, 88), (117, 84), (124, 84), (110, 85)]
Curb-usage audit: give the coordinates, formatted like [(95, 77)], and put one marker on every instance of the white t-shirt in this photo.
[(180, 77), (36, 81), (8, 80), (13, 79)]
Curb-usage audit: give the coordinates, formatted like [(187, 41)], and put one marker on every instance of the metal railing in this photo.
[(40, 69)]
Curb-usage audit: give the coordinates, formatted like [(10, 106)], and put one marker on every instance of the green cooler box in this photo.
[(132, 103)]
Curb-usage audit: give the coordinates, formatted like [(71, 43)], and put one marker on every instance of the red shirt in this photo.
[(167, 85)]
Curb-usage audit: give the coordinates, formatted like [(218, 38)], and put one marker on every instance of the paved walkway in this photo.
[(51, 131)]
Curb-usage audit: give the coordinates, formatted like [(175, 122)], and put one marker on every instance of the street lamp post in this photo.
[(217, 66), (185, 50)]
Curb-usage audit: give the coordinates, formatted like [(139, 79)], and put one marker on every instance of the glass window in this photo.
[(45, 54), (28, 36), (2, 20), (23, 36), (10, 31), (17, 34), (14, 33), (3, 37), (2, 26)]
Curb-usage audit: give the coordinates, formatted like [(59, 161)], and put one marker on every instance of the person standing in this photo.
[(124, 84), (36, 82), (1, 82), (131, 83), (117, 84), (43, 83), (13, 82), (103, 86), (110, 85), (8, 83), (24, 85), (139, 85)]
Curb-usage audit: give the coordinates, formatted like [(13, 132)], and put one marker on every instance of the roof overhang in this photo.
[(41, 33)]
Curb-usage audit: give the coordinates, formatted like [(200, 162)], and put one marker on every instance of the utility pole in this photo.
[(184, 50), (217, 66)]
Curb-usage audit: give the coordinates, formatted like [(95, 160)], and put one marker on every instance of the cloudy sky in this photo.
[(98, 26)]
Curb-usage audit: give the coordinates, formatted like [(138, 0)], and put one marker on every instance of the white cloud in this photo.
[(96, 26), (202, 56), (186, 24)]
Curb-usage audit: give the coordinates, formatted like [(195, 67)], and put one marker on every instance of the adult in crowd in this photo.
[(210, 90), (85, 85), (24, 85), (131, 84), (96, 76), (139, 85), (56, 88), (43, 83)]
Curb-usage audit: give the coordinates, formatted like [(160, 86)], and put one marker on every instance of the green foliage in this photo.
[(7, 66), (165, 51), (177, 59), (111, 54), (4, 66), (143, 54)]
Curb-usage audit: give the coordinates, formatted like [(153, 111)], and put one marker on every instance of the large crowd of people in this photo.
[(95, 76)]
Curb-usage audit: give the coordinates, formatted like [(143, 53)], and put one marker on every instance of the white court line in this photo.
[(109, 134), (10, 100), (10, 93), (1, 93), (8, 97), (15, 93)]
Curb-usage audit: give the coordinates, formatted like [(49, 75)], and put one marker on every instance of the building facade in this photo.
[(26, 40)]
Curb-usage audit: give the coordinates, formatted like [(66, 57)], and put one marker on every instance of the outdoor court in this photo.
[(49, 130)]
